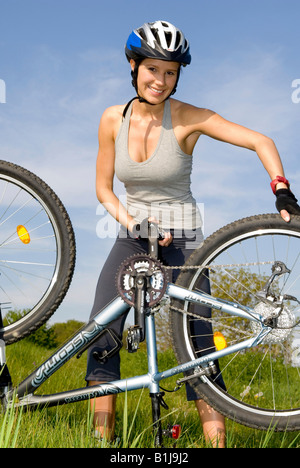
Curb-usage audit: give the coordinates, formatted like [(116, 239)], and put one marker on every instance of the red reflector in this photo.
[(176, 431)]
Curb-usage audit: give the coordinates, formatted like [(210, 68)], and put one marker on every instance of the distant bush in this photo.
[(47, 336), (64, 331), (44, 336)]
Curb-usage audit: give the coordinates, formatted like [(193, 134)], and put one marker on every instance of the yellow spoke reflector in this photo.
[(23, 234), (219, 340)]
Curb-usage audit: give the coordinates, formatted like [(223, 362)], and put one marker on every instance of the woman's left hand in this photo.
[(286, 204)]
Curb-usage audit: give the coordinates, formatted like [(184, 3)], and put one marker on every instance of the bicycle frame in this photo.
[(25, 390)]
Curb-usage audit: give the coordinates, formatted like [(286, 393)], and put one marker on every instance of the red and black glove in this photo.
[(285, 199)]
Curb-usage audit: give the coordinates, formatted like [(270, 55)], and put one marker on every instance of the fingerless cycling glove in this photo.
[(286, 200)]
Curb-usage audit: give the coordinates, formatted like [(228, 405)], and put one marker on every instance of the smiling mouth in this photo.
[(156, 91)]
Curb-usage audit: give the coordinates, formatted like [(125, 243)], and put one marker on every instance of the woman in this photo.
[(149, 144)]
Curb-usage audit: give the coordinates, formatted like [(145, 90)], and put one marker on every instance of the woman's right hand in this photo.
[(167, 240)]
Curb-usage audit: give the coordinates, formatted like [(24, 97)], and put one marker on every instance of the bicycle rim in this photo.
[(262, 383), (32, 248)]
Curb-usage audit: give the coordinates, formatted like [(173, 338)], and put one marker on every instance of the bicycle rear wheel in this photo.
[(262, 383), (37, 252)]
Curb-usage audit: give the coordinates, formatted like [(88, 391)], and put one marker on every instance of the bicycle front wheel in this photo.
[(262, 383), (37, 252)]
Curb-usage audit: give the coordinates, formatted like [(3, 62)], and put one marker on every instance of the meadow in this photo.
[(70, 426)]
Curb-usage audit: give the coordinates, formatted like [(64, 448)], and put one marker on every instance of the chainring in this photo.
[(142, 264)]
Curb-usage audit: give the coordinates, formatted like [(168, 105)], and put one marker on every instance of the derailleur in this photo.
[(278, 269)]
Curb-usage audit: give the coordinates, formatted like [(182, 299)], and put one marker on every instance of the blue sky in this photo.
[(63, 63)]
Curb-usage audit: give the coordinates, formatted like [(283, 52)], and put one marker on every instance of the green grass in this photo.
[(70, 426)]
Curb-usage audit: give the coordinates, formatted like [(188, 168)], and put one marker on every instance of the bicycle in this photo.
[(253, 266)]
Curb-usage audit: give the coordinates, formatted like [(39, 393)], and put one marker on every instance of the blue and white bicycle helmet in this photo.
[(160, 40)]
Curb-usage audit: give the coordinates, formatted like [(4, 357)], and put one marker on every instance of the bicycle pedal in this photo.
[(133, 339)]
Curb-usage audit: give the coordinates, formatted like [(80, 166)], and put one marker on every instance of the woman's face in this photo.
[(156, 79)]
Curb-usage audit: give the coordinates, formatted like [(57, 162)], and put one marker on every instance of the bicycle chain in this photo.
[(207, 267), (205, 319), (212, 267)]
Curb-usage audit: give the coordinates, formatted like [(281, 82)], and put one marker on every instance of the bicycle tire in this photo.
[(25, 196), (262, 386)]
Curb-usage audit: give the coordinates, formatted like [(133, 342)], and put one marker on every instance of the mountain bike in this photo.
[(253, 268)]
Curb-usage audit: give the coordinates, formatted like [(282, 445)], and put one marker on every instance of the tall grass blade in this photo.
[(10, 426)]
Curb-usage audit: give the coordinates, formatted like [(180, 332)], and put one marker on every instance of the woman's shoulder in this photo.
[(111, 119), (186, 109), (188, 114), (113, 113)]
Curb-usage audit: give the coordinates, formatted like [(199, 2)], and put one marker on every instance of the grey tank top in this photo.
[(161, 185)]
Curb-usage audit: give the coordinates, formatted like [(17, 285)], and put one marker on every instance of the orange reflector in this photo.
[(219, 340), (23, 234)]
